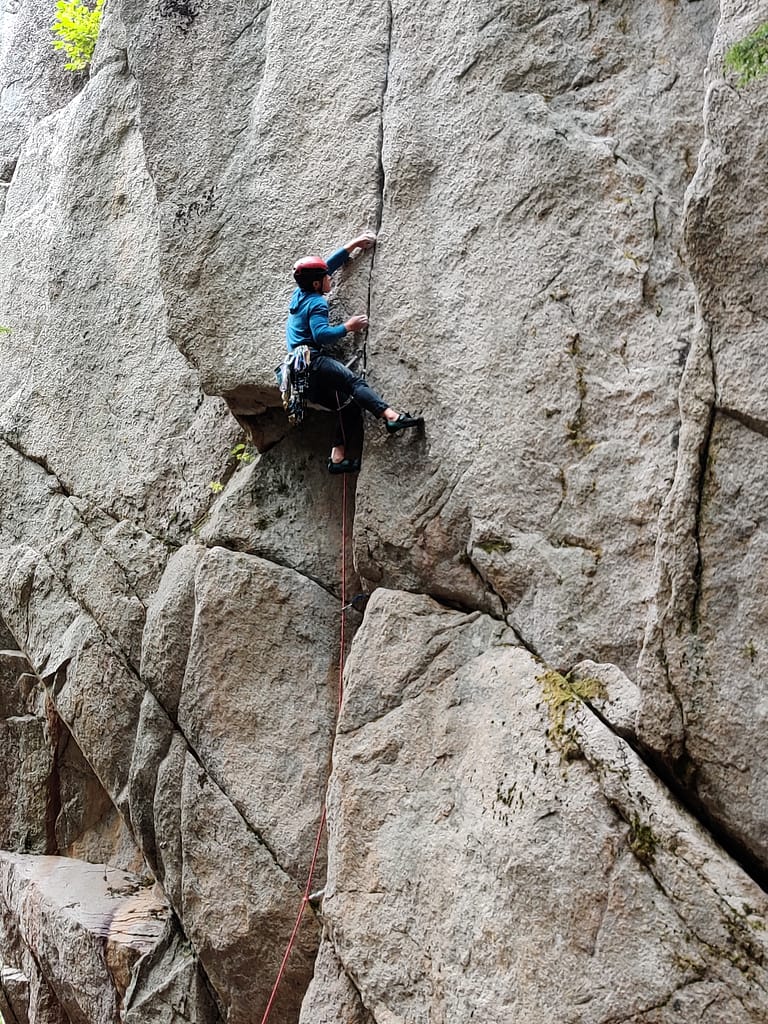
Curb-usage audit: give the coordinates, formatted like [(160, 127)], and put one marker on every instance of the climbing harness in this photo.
[(293, 380), (293, 376), (308, 894)]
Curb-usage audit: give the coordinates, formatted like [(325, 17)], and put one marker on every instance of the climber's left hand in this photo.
[(364, 241)]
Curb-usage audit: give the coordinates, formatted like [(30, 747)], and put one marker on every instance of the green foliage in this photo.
[(495, 545), (242, 453), (76, 29), (5, 330), (749, 57)]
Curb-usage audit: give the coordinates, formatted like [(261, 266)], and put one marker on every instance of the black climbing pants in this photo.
[(331, 383)]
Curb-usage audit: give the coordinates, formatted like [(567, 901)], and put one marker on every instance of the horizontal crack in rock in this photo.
[(750, 422)]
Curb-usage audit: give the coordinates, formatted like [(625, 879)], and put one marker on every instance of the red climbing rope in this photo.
[(297, 923), (321, 827), (342, 636)]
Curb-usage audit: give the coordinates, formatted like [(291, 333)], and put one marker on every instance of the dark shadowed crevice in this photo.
[(7, 171), (758, 426), (53, 802), (702, 485), (380, 172), (692, 804), (38, 460)]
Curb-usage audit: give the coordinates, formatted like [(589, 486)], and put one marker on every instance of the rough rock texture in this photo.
[(704, 662), (34, 82), (14, 996), (25, 757), (455, 822), (569, 284), (331, 997), (59, 908)]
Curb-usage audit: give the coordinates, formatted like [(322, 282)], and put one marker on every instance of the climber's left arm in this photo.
[(341, 256)]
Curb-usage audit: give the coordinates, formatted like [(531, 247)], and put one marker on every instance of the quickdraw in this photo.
[(293, 380)]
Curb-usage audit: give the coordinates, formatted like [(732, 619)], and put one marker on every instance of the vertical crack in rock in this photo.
[(677, 561), (53, 798), (381, 173), (702, 484), (683, 676)]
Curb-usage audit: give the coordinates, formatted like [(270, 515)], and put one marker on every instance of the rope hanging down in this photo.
[(321, 827)]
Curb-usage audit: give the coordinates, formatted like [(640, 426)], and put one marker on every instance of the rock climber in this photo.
[(331, 383)]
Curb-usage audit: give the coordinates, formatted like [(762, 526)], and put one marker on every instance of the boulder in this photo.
[(494, 848), (258, 702), (87, 924)]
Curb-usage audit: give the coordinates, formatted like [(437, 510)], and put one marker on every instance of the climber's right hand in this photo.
[(356, 323)]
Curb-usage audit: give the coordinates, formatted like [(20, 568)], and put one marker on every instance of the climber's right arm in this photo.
[(323, 333)]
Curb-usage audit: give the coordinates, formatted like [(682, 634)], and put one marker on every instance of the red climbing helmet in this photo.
[(304, 268)]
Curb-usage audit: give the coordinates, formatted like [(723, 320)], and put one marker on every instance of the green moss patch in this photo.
[(559, 693)]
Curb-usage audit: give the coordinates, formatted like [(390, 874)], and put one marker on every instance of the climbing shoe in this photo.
[(345, 466), (403, 422)]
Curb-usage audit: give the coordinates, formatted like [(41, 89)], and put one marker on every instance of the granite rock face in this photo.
[(704, 659), (55, 907), (459, 804), (544, 788), (35, 82)]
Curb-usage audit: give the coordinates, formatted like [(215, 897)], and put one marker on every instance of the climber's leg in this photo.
[(347, 422), (332, 374), (348, 427), (329, 377)]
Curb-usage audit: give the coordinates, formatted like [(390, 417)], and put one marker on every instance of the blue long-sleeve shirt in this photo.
[(308, 314)]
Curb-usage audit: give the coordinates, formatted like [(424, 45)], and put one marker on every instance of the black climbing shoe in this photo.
[(345, 466), (402, 422)]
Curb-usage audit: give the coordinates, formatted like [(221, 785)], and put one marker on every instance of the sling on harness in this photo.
[(293, 381)]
